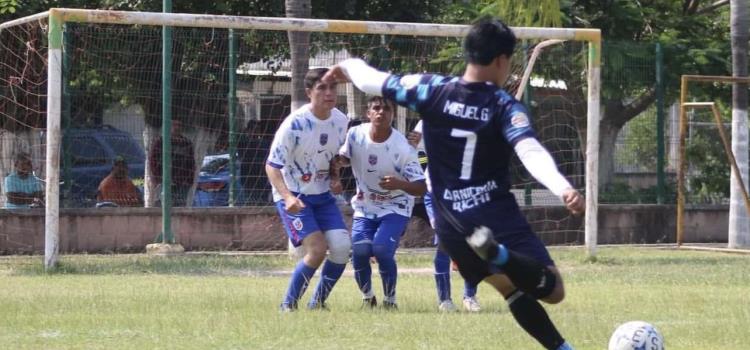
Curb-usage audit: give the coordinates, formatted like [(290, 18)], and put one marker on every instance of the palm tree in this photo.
[(739, 236)]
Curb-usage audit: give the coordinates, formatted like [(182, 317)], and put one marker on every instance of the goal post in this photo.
[(584, 64), (738, 182)]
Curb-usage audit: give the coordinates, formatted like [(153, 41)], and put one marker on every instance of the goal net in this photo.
[(230, 90)]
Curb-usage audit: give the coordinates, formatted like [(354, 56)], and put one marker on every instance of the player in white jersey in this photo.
[(299, 169), (442, 262), (388, 177)]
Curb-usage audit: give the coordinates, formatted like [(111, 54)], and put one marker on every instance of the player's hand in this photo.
[(336, 187), (390, 183), (413, 138), (574, 201), (335, 74), (293, 205)]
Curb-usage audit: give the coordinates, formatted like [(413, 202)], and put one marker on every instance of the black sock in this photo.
[(529, 275), (532, 317)]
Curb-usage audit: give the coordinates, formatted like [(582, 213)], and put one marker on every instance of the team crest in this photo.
[(306, 177), (297, 224), (323, 139), (519, 120), (372, 159)]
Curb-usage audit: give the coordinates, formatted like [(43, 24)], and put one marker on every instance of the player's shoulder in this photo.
[(410, 81), (398, 139), (339, 117)]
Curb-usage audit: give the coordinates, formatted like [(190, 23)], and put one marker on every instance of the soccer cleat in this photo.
[(471, 304), (390, 306), (284, 307), (320, 306), (369, 303), (482, 242), (447, 306)]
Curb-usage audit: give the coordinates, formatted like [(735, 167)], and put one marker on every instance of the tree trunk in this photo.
[(739, 236), (299, 47), (607, 140), (150, 195)]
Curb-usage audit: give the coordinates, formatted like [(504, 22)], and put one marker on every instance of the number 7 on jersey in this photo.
[(468, 158)]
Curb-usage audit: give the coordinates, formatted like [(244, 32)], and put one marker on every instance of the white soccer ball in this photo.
[(636, 335)]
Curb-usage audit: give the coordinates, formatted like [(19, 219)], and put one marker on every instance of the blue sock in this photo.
[(298, 283), (565, 346), (361, 254), (469, 290), (388, 270), (502, 255), (442, 275), (328, 277)]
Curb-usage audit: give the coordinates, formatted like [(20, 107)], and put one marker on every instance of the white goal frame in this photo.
[(58, 16)]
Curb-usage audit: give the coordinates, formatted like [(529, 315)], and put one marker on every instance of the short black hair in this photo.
[(313, 76), (382, 100), (487, 39)]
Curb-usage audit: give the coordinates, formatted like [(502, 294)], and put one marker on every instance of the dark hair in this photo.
[(487, 39), (22, 157), (382, 100), (313, 76)]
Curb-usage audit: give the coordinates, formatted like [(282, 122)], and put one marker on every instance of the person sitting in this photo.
[(22, 188), (118, 188)]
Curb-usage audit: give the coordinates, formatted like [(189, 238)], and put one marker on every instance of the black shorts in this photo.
[(473, 269)]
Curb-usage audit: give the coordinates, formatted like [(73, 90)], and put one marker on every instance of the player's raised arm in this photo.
[(542, 167), (362, 75)]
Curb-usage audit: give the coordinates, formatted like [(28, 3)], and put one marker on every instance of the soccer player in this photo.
[(471, 127), (442, 261), (299, 169), (388, 177)]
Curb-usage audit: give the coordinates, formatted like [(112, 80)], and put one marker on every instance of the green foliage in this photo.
[(8, 6), (639, 147)]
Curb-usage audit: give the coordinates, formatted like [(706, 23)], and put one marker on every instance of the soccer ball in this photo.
[(636, 335)]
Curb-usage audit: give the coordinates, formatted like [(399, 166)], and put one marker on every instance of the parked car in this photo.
[(92, 152), (213, 182)]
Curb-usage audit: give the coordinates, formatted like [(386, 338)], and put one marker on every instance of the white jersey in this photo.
[(418, 128), (303, 148), (420, 148), (371, 161)]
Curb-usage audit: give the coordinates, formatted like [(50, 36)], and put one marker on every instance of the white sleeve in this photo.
[(540, 164), (364, 77), (418, 128)]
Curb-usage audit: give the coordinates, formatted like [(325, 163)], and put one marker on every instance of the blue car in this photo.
[(90, 153), (213, 183)]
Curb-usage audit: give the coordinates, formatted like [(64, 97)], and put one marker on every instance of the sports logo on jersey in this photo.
[(519, 120), (372, 159), (323, 139), (297, 224), (306, 177)]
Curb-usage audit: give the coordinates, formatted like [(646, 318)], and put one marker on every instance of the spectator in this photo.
[(252, 149), (183, 164), (22, 187), (118, 188)]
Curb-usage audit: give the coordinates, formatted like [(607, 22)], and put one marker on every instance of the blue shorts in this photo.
[(386, 230), (320, 214)]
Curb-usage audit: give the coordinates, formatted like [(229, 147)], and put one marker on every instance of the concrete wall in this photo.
[(130, 229)]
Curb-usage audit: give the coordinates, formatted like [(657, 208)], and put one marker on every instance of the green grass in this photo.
[(698, 300)]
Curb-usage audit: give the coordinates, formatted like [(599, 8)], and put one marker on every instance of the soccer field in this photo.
[(698, 300)]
